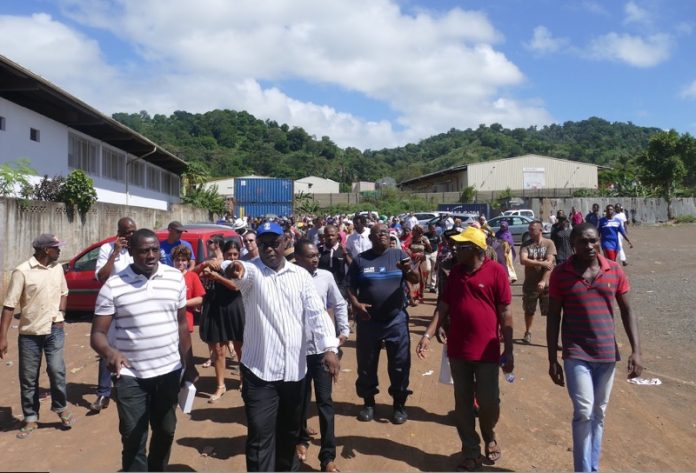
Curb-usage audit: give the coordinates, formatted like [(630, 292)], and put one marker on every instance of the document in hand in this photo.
[(186, 395)]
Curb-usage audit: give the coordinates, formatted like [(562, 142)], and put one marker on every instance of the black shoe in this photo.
[(366, 414), (102, 402), (400, 416), (625, 263)]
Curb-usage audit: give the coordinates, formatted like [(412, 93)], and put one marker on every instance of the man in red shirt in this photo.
[(584, 289), (474, 306)]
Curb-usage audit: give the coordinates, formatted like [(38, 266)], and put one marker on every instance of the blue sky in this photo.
[(369, 73)]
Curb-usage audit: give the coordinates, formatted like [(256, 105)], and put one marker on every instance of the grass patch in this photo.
[(685, 219)]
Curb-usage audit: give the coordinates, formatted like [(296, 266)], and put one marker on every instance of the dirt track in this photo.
[(648, 428)]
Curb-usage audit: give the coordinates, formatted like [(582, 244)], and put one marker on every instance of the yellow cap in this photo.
[(473, 235)]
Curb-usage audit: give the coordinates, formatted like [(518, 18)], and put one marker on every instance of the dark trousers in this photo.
[(30, 350), (325, 408), (394, 334), (103, 379), (273, 411), (479, 380), (143, 402)]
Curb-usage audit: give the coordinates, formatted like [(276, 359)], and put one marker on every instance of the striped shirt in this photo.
[(145, 315), (588, 330), (283, 311), (331, 297)]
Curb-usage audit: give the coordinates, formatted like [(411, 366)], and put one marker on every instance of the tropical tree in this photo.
[(662, 166)]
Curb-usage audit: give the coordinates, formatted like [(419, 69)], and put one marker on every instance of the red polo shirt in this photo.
[(587, 328), (473, 300)]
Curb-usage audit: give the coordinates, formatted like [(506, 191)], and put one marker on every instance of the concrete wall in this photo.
[(21, 222), (647, 210), (49, 156)]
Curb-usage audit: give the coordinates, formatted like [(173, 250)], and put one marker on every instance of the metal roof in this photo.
[(29, 90), (433, 174)]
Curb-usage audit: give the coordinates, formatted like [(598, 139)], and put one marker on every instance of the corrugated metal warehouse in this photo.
[(528, 172)]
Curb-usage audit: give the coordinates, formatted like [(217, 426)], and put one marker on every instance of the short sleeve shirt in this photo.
[(536, 252), (377, 281), (473, 301), (587, 328)]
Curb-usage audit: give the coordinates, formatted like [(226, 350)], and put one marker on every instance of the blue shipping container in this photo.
[(481, 209), (266, 190), (261, 209)]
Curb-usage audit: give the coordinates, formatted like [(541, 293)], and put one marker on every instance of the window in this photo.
[(88, 261), (170, 183), (113, 165), (2, 123), (82, 154), (136, 173), (153, 178), (34, 134)]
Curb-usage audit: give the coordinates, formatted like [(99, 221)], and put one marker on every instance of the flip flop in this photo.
[(493, 452), (301, 451), (67, 419), (26, 430), (471, 464), (331, 466)]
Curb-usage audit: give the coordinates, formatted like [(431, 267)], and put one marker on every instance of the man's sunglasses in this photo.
[(274, 244)]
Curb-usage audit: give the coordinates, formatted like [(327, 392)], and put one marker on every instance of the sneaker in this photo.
[(625, 263), (399, 416), (527, 338), (366, 414)]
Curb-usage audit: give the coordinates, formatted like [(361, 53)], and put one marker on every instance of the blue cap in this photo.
[(270, 227)]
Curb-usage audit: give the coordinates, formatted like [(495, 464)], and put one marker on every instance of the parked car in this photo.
[(523, 212), (425, 217), (79, 271), (465, 218), (519, 226)]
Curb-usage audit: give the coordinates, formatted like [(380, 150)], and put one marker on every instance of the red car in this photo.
[(79, 271)]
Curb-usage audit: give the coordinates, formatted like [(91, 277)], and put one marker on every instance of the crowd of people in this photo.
[(286, 299)]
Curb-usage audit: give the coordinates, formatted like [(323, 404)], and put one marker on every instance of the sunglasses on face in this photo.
[(271, 244)]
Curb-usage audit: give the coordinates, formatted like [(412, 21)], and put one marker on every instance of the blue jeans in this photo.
[(31, 348), (103, 378), (589, 386)]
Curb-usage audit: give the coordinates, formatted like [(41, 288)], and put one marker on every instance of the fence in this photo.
[(22, 221)]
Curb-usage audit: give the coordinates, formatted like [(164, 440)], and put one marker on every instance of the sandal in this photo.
[(67, 419), (493, 452), (26, 430), (301, 451), (331, 466), (221, 390)]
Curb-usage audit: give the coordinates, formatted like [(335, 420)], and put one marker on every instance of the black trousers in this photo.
[(143, 402), (273, 410), (322, 392)]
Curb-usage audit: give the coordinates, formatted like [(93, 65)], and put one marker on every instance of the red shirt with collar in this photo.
[(473, 301), (587, 328)]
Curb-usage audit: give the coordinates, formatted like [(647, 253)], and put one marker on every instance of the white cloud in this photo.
[(435, 71), (689, 92), (634, 50), (543, 42), (636, 14)]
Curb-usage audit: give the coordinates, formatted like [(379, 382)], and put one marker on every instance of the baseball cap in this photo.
[(270, 227), (472, 235), (47, 240), (176, 225)]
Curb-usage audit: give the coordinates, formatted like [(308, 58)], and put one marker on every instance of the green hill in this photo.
[(231, 143)]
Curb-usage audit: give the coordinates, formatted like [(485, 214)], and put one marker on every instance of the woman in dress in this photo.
[(222, 319), (181, 255), (416, 247)]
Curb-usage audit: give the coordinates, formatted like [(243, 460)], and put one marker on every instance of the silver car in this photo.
[(518, 225)]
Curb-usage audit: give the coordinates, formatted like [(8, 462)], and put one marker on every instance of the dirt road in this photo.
[(649, 428)]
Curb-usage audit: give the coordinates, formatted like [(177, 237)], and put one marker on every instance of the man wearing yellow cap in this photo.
[(474, 306)]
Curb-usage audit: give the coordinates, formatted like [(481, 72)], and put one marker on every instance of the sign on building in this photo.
[(533, 178)]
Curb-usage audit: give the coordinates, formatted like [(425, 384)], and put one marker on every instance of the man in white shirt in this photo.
[(621, 215), (283, 313), (149, 348), (113, 258), (359, 240), (307, 257), (411, 221)]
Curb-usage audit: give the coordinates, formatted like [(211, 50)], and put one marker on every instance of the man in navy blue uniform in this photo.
[(378, 294)]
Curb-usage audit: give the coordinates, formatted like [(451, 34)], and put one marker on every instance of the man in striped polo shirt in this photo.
[(147, 350), (583, 289)]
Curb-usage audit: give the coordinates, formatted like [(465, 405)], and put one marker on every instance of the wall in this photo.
[(21, 222), (49, 156), (647, 210)]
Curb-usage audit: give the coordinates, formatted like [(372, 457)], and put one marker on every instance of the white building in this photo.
[(57, 133), (362, 186), (316, 185)]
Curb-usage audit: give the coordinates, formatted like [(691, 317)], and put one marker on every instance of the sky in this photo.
[(370, 74)]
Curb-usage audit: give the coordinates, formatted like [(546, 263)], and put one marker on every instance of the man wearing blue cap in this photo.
[(283, 310)]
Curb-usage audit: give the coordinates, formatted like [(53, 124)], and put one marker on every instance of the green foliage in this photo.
[(50, 190), (685, 219), (305, 204), (502, 200), (13, 175), (206, 198), (78, 190), (468, 195)]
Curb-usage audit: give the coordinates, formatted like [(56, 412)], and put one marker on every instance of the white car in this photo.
[(529, 213)]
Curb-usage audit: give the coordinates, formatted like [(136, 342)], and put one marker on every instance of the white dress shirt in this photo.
[(283, 311), (358, 242), (326, 286), (122, 261)]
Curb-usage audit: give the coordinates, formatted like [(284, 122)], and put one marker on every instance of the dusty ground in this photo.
[(648, 428)]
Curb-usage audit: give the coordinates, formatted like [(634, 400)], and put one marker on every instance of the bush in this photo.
[(47, 189), (78, 190), (14, 177), (685, 219)]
